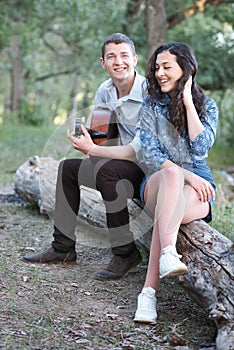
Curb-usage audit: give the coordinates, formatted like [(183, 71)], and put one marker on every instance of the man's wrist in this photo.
[(91, 151)]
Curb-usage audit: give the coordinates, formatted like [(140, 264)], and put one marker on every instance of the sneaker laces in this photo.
[(172, 251), (146, 300)]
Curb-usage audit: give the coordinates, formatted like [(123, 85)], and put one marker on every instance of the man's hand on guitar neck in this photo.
[(85, 145)]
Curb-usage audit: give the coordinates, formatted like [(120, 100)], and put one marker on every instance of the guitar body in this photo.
[(103, 127)]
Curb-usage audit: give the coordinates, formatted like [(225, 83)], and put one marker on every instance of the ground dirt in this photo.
[(64, 307)]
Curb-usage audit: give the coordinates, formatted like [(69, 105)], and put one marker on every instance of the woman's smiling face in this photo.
[(167, 71)]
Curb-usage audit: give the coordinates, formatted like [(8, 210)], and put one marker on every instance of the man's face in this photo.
[(119, 61)]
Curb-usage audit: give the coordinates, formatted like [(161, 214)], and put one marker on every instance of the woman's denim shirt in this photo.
[(160, 142)]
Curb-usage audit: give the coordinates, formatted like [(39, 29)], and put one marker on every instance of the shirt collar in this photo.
[(136, 90)]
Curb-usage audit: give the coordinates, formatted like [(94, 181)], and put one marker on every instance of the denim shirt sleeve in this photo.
[(201, 145), (152, 150)]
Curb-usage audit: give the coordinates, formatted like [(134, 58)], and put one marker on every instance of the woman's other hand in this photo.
[(202, 187)]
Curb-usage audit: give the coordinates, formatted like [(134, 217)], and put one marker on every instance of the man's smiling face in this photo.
[(119, 61)]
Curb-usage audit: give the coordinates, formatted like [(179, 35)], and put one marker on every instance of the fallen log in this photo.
[(208, 254)]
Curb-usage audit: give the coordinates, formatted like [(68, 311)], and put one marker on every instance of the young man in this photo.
[(112, 170)]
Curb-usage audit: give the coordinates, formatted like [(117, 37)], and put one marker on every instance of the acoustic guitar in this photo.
[(103, 127), (99, 125)]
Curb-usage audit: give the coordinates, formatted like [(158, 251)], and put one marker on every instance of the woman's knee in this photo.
[(172, 176)]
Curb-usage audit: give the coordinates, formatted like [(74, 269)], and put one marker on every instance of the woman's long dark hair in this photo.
[(187, 62)]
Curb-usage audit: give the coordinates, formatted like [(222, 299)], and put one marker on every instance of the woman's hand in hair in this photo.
[(187, 93)]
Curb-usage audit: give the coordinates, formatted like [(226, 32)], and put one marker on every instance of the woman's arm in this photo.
[(201, 130), (195, 126)]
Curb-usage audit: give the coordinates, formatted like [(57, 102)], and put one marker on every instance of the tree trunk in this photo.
[(156, 22), (17, 76), (73, 98)]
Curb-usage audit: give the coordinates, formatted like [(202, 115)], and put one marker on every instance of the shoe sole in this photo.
[(137, 262), (50, 262), (144, 320), (175, 272)]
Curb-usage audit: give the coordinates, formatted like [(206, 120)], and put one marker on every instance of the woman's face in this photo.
[(167, 72)]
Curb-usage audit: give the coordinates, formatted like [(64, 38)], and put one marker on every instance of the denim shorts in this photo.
[(201, 170)]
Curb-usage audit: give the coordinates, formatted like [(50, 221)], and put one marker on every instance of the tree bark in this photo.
[(73, 98), (17, 75), (156, 23)]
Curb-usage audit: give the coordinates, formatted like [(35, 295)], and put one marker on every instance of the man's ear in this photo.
[(135, 60), (102, 63)]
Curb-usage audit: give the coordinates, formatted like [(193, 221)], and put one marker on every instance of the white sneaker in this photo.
[(146, 306), (170, 264)]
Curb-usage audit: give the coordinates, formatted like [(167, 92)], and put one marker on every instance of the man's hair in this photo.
[(118, 38)]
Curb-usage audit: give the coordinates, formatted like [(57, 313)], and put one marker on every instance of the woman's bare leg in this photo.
[(173, 203), (163, 194)]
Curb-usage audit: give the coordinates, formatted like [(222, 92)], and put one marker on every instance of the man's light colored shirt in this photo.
[(127, 109)]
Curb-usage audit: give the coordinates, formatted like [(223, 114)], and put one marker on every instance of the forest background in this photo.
[(50, 70), (50, 51)]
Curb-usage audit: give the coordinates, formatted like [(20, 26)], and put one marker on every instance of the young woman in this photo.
[(178, 128)]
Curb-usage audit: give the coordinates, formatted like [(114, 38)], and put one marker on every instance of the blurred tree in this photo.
[(51, 48), (15, 16), (17, 76), (156, 24)]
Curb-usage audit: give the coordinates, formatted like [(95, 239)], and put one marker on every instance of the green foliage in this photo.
[(30, 113), (18, 142), (228, 111), (221, 154), (223, 211), (223, 214), (176, 6), (65, 36), (225, 104), (224, 12), (61, 45), (212, 44)]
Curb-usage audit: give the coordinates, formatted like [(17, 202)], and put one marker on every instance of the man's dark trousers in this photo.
[(117, 180)]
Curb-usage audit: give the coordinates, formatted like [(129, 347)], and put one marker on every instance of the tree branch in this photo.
[(47, 44), (55, 74), (199, 6)]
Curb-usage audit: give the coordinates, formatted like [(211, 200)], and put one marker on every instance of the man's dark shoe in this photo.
[(118, 266), (50, 256)]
